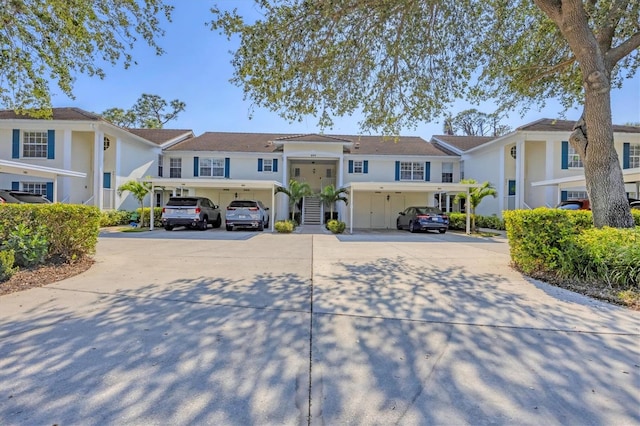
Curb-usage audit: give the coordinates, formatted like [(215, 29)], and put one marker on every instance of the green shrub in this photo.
[(146, 216), (284, 226), (71, 229), (490, 222), (636, 216), (336, 226), (538, 238), (7, 259), (114, 218), (606, 255), (29, 246), (458, 221)]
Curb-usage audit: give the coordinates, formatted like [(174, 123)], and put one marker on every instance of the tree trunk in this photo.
[(593, 134)]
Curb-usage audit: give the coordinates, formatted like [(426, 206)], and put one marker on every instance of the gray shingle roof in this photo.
[(263, 142), (160, 136), (74, 114), (463, 143), (549, 125)]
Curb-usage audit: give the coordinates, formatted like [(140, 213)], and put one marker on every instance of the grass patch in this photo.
[(137, 229)]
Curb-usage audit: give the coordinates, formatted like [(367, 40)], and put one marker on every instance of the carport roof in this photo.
[(629, 176), (212, 183), (412, 186), (18, 168)]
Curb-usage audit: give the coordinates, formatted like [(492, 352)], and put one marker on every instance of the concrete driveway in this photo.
[(256, 328)]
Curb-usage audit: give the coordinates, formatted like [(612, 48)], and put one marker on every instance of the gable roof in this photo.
[(72, 114), (461, 143), (268, 142), (549, 125), (163, 136)]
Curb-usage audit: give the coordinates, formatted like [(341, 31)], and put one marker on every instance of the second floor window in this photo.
[(634, 155), (267, 165), (175, 167), (34, 145), (160, 165), (574, 158), (447, 172), (212, 167), (358, 167), (411, 171)]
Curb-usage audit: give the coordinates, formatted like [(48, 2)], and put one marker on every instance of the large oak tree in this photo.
[(45, 41), (400, 62)]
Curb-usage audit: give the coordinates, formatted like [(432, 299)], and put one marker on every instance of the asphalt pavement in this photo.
[(374, 328)]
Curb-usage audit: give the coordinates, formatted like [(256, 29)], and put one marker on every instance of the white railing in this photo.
[(66, 199), (90, 200)]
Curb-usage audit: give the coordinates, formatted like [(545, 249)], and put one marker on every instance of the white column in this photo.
[(151, 211), (520, 173), (55, 189), (67, 148), (468, 211), (448, 201), (551, 193), (351, 210), (503, 184), (98, 168), (339, 184), (116, 179)]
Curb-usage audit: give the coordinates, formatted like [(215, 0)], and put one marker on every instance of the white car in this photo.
[(247, 214)]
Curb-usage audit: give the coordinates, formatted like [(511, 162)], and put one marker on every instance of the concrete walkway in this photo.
[(217, 327)]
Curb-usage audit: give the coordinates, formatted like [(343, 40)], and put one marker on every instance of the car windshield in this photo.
[(29, 198), (183, 202), (243, 204), (428, 210)]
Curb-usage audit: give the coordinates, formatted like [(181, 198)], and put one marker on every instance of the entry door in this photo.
[(378, 213)]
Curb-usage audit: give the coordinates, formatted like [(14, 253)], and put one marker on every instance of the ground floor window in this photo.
[(576, 194), (39, 188)]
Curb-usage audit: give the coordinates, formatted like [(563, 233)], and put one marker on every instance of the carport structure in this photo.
[(24, 169), (174, 184), (630, 177), (407, 187)]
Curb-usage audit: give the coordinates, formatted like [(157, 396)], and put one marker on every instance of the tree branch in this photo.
[(616, 12), (552, 8), (617, 53)]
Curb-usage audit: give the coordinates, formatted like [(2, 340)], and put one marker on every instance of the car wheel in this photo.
[(261, 226), (204, 224), (398, 226), (412, 227), (218, 222), (168, 228), (229, 228), (442, 231)]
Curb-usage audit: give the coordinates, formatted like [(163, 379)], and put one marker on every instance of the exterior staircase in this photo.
[(312, 211)]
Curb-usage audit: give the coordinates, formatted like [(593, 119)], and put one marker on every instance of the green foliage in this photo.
[(458, 221), (539, 237), (145, 214), (490, 222), (636, 216), (284, 226), (29, 246), (55, 40), (330, 195), (138, 190), (114, 218), (606, 255), (296, 192), (71, 229), (336, 226), (148, 112), (7, 261)]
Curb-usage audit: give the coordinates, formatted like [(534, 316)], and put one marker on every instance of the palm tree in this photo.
[(296, 192), (330, 195), (139, 190), (475, 196)]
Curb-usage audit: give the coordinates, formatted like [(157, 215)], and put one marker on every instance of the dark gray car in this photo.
[(423, 219), (192, 212), (21, 197)]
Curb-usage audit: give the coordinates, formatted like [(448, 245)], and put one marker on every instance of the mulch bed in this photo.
[(40, 276)]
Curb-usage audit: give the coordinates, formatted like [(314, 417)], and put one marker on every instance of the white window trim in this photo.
[(214, 164), (41, 185), (177, 167), (41, 143), (634, 155), (572, 157), (267, 165), (414, 165), (358, 164)]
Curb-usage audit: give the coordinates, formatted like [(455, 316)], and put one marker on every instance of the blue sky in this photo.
[(196, 69)]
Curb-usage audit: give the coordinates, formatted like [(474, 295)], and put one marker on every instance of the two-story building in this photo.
[(87, 159)]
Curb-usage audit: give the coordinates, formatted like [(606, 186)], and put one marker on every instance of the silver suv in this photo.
[(192, 212), (247, 214)]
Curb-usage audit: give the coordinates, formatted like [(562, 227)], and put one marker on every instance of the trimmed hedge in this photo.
[(336, 226), (70, 229), (458, 221), (284, 226), (146, 215)]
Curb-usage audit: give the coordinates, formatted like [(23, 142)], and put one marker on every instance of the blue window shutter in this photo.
[(350, 166), (49, 195), (397, 170), (259, 164), (15, 151), (227, 163), (427, 171), (275, 165), (196, 166), (15, 186), (106, 180), (626, 154), (365, 166), (51, 144), (563, 195), (565, 155)]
